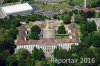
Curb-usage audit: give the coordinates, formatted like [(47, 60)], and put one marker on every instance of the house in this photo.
[(49, 43)]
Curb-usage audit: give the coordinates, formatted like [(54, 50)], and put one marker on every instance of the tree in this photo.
[(12, 61), (71, 2), (24, 58), (92, 26), (22, 54), (88, 27), (34, 36), (3, 56), (79, 19), (61, 30), (66, 20), (96, 39), (12, 33), (90, 14), (44, 63), (95, 4), (35, 29), (5, 45), (60, 53), (26, 62), (38, 54), (16, 21)]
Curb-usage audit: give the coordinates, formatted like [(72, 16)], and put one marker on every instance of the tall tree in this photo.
[(38, 54), (34, 36), (61, 30), (12, 61), (22, 54), (35, 29)]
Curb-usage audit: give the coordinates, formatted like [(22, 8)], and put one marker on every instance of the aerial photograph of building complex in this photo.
[(49, 32)]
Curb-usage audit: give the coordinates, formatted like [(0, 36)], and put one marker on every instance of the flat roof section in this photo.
[(36, 8), (17, 8)]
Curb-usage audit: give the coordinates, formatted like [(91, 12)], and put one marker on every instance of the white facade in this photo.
[(47, 48)]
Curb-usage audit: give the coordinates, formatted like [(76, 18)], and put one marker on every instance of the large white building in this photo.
[(24, 8), (47, 44)]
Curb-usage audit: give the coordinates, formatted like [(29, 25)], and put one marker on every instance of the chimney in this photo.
[(25, 38)]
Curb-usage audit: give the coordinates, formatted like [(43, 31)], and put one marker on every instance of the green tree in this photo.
[(60, 54), (66, 20), (79, 19), (71, 2), (22, 54), (26, 62), (5, 45), (34, 36), (44, 63), (90, 14), (61, 30), (35, 29), (3, 56), (38, 54), (11, 60)]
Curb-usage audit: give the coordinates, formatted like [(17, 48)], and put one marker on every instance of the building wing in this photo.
[(16, 8)]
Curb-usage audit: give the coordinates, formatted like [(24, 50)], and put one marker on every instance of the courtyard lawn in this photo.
[(60, 37)]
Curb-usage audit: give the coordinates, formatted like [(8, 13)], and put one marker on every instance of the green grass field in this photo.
[(81, 1), (62, 5)]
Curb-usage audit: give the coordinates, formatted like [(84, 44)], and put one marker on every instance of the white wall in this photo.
[(48, 49)]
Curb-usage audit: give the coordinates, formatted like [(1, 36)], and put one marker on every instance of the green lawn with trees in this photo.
[(89, 47), (47, 6)]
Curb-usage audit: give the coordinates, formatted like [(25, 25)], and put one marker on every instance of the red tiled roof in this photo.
[(97, 8), (21, 38), (48, 41), (91, 9)]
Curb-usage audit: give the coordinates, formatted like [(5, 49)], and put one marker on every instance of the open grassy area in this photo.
[(81, 1), (62, 5)]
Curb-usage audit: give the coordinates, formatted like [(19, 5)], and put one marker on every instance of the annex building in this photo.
[(20, 9)]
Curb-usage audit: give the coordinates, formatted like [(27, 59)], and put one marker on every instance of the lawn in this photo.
[(81, 1), (62, 5), (60, 37)]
